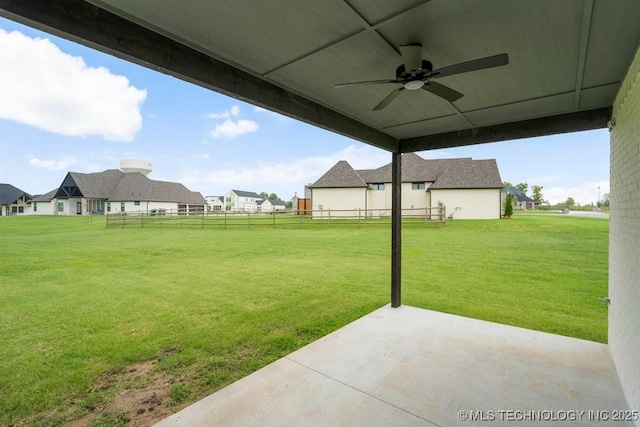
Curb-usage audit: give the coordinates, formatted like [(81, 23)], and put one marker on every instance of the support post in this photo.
[(396, 229)]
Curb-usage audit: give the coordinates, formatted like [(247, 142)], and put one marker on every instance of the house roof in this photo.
[(215, 199), (342, 175), (97, 185), (519, 194), (241, 193), (414, 169), (275, 202), (443, 173), (9, 194), (116, 185), (45, 197), (468, 173)]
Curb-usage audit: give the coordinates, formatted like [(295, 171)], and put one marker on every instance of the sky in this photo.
[(67, 108)]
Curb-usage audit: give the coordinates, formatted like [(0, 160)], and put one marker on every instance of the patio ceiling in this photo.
[(567, 58)]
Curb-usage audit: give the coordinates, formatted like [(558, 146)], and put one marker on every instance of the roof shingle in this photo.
[(443, 173)]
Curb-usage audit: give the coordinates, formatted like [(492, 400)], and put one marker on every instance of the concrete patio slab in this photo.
[(409, 366)]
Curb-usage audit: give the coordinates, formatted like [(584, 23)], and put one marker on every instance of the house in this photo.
[(13, 201), (215, 203), (275, 205), (522, 202), (241, 201), (114, 191), (469, 189), (42, 204)]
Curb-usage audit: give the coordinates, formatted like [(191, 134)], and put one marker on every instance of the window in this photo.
[(417, 186), (217, 207), (121, 206), (35, 206), (60, 206), (20, 209), (228, 199), (108, 206), (377, 186), (136, 203)]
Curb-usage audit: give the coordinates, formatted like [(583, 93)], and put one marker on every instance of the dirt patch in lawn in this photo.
[(135, 395)]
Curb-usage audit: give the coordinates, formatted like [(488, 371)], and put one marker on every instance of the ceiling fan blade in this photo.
[(442, 91), (476, 64), (412, 56), (387, 100), (371, 82)]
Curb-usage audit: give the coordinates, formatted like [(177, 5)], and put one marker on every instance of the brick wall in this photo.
[(624, 236)]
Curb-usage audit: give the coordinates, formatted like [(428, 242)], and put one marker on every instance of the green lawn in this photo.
[(79, 300)]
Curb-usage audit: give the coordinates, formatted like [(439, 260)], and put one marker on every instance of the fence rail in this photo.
[(288, 219)]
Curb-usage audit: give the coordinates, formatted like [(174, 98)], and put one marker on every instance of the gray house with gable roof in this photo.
[(469, 189), (115, 191), (13, 201)]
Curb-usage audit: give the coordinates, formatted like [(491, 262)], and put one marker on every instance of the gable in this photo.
[(341, 175), (10, 194)]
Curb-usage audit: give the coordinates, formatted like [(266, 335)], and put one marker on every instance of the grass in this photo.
[(79, 300)]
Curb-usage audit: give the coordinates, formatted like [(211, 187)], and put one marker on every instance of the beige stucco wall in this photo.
[(380, 200), (343, 202), (472, 204), (414, 199), (624, 236), (44, 208)]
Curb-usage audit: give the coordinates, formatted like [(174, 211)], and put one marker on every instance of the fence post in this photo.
[(203, 220), (329, 216), (359, 216), (444, 216), (248, 219), (274, 218), (225, 219)]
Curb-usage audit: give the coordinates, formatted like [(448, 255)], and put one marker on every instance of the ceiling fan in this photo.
[(416, 73)]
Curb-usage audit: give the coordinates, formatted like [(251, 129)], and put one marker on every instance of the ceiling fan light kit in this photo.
[(416, 73)]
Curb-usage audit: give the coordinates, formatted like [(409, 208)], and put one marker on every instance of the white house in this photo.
[(241, 201), (215, 203), (469, 189), (114, 191), (276, 205), (13, 201)]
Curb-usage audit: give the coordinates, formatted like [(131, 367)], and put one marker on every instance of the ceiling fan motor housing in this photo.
[(401, 72)]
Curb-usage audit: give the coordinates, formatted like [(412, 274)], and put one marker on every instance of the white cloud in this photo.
[(285, 177), (231, 129), (44, 87), (53, 165), (234, 111)]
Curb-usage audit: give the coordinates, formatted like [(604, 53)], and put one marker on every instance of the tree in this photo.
[(508, 206), (537, 195), (605, 200), (569, 203), (288, 205), (264, 195), (507, 184), (273, 196), (522, 186)]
